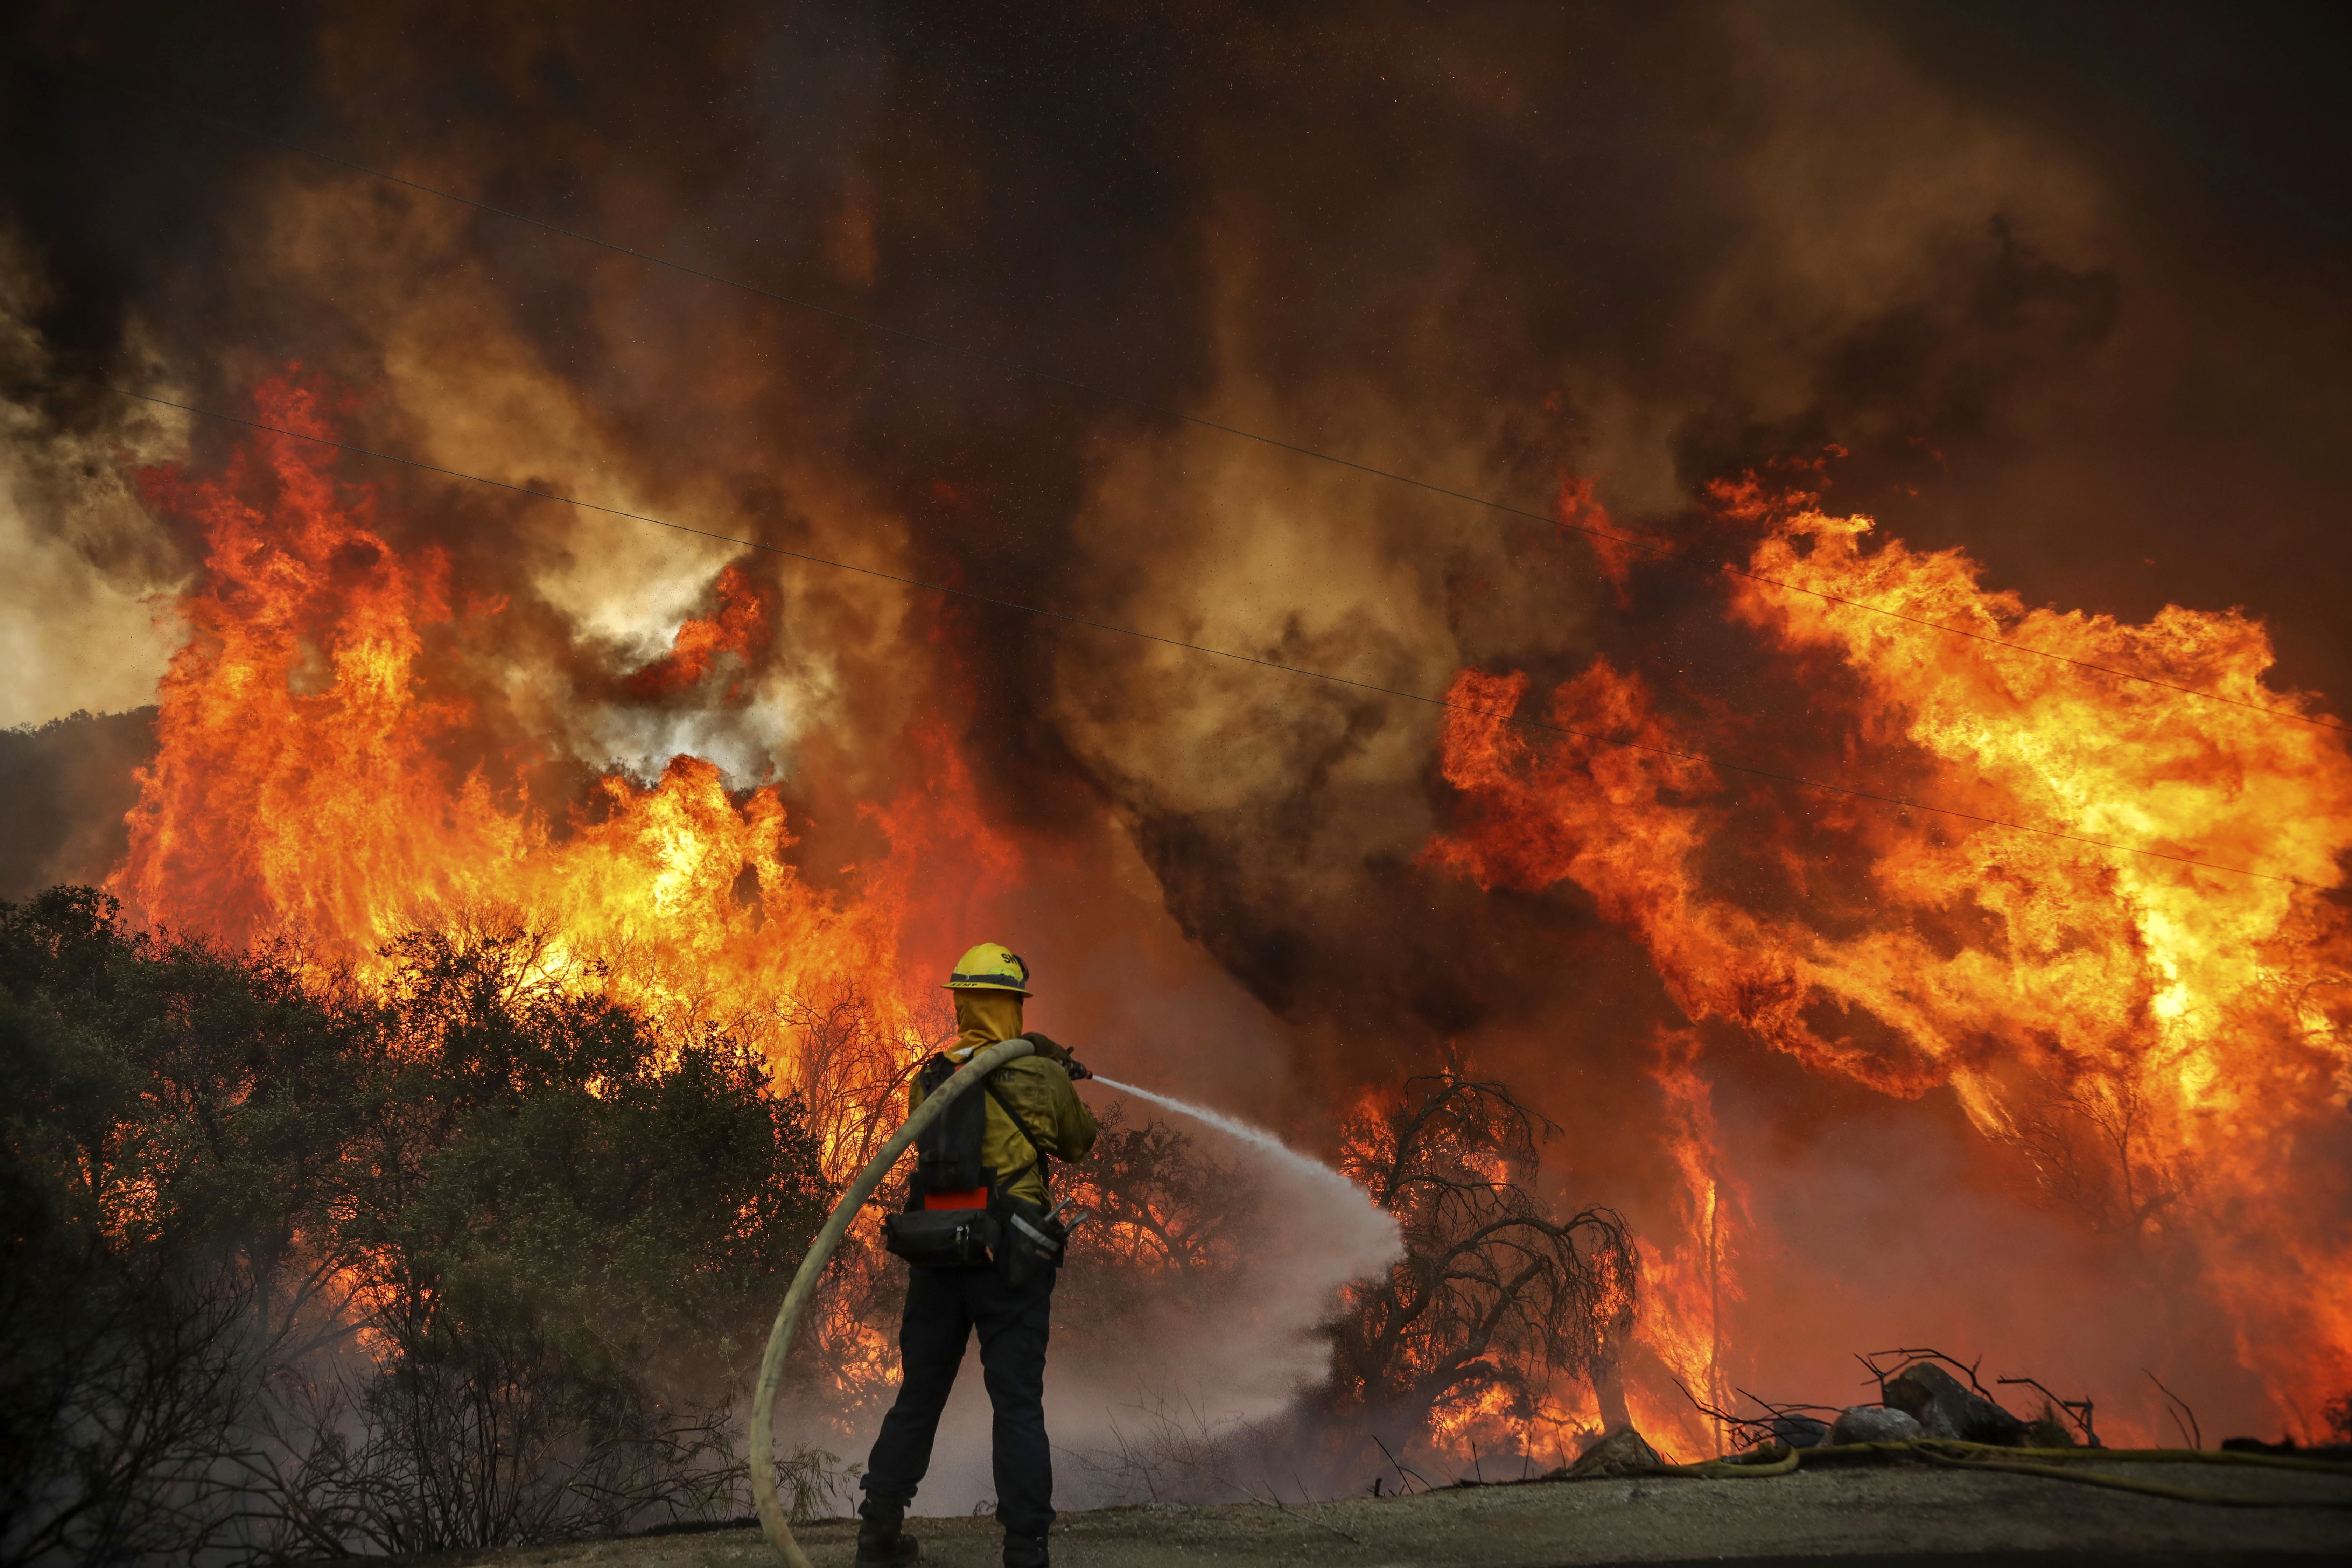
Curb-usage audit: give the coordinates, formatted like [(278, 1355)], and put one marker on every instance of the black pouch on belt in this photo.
[(1033, 1242), (942, 1239)]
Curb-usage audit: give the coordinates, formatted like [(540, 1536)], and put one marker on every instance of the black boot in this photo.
[(882, 1539), (1025, 1550)]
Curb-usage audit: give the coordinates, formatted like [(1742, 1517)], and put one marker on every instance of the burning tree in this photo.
[(1494, 1297), (2091, 1148), (1163, 1210), (1167, 1243), (846, 1062)]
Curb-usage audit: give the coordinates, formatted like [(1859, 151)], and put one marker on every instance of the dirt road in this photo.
[(1867, 1515)]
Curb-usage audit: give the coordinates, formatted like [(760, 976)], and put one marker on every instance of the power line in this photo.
[(1302, 671), (1017, 367)]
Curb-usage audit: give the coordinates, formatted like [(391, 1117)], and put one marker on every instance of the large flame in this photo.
[(2157, 1039), (1689, 1276), (327, 765)]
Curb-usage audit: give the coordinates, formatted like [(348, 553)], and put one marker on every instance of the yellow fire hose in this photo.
[(772, 1523), (2058, 1464), (1774, 1459)]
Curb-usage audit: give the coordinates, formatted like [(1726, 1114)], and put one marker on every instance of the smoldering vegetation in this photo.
[(299, 1265)]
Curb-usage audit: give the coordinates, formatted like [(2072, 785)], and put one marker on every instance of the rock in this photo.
[(1800, 1431), (1876, 1424), (1940, 1403), (1624, 1452)]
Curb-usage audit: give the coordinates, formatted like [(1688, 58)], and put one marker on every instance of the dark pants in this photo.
[(943, 1305)]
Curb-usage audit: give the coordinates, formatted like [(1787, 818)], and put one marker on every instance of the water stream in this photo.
[(1256, 1136)]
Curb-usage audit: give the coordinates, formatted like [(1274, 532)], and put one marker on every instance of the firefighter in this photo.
[(1032, 1113)]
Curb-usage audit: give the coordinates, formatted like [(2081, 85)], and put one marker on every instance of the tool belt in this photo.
[(960, 1213)]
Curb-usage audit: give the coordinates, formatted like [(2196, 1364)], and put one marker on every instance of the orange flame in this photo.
[(2154, 1037), (1580, 511), (739, 628), (1687, 1283), (305, 774)]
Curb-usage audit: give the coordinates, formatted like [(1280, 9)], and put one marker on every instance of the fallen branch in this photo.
[(1908, 1356), (2176, 1407), (2081, 1421)]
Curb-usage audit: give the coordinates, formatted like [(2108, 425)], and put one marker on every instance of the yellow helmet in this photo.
[(991, 966)]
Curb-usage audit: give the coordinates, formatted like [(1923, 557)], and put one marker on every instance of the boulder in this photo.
[(1624, 1452), (1800, 1431), (1876, 1424), (1947, 1408)]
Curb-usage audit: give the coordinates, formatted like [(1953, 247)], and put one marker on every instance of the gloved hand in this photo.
[(1053, 1050)]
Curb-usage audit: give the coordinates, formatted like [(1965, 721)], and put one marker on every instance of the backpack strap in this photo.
[(1021, 1124)]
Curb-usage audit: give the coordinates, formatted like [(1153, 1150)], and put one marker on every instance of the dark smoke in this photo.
[(68, 784)]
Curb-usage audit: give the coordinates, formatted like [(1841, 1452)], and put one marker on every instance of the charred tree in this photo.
[(1495, 1293)]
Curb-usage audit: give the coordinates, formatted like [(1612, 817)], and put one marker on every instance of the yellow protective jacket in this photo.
[(1040, 1090)]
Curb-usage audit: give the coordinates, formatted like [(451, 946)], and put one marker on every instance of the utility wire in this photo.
[(1068, 619), (1017, 367)]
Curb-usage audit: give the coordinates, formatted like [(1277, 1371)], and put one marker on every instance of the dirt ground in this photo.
[(1867, 1515)]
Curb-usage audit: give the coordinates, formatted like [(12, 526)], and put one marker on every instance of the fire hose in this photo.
[(773, 1522)]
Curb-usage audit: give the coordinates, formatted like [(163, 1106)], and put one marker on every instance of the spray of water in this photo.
[(1285, 1156)]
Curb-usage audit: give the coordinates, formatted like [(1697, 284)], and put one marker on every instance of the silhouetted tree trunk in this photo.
[(1493, 1292)]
